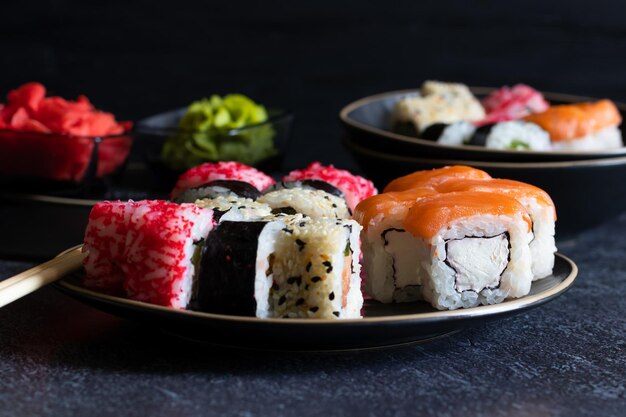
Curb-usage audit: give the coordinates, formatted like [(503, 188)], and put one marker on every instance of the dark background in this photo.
[(143, 57)]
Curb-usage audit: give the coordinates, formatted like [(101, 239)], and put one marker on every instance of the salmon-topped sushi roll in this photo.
[(473, 248), (388, 249), (433, 177), (539, 206), (581, 126)]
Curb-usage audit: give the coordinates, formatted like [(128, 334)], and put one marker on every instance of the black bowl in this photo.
[(586, 193), (368, 123), (152, 132)]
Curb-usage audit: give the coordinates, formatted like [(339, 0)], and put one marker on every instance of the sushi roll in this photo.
[(513, 135), (316, 270), (235, 208), (389, 260), (206, 173), (285, 266), (145, 249), (474, 248), (354, 187), (439, 102), (512, 103), (432, 178), (235, 268), (457, 133), (310, 202), (581, 126), (310, 184), (219, 188), (537, 203)]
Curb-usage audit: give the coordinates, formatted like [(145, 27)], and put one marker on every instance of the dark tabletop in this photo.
[(567, 358)]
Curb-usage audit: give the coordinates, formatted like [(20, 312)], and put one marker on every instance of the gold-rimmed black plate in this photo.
[(368, 122), (383, 325)]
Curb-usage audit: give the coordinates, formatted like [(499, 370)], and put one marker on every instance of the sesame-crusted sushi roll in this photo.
[(539, 206), (316, 270), (431, 178), (283, 266), (474, 248), (354, 188), (235, 208), (389, 251), (581, 126), (146, 249), (232, 171), (219, 188), (310, 202), (438, 102)]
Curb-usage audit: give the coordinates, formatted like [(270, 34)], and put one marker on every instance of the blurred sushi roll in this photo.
[(285, 266), (235, 208), (314, 203), (200, 176), (581, 126), (512, 103), (145, 249), (389, 251), (353, 187), (474, 248), (439, 102), (513, 135), (457, 133), (218, 188), (537, 203)]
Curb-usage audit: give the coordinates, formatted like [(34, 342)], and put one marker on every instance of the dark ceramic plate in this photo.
[(586, 193), (383, 324), (368, 123)]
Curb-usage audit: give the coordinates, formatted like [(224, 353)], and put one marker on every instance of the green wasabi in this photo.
[(228, 128)]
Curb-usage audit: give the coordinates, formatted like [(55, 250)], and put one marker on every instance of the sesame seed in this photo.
[(282, 300), (336, 313), (331, 296), (314, 309), (316, 279), (300, 301)]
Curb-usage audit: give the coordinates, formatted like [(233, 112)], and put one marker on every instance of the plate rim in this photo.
[(344, 116), (588, 163), (446, 315)]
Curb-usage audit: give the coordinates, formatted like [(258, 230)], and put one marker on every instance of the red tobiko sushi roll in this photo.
[(354, 188), (220, 171), (145, 249), (512, 103)]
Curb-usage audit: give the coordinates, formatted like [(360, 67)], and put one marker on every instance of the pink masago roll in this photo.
[(354, 188), (145, 249)]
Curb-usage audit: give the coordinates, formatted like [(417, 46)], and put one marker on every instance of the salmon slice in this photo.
[(430, 214), (386, 205), (514, 189), (572, 121), (427, 179)]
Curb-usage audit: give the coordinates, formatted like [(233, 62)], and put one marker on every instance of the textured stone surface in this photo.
[(567, 358)]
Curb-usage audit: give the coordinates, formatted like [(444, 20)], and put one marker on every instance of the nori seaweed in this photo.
[(228, 267)]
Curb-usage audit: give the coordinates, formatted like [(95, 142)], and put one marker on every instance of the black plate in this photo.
[(368, 123), (586, 193), (383, 324)]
